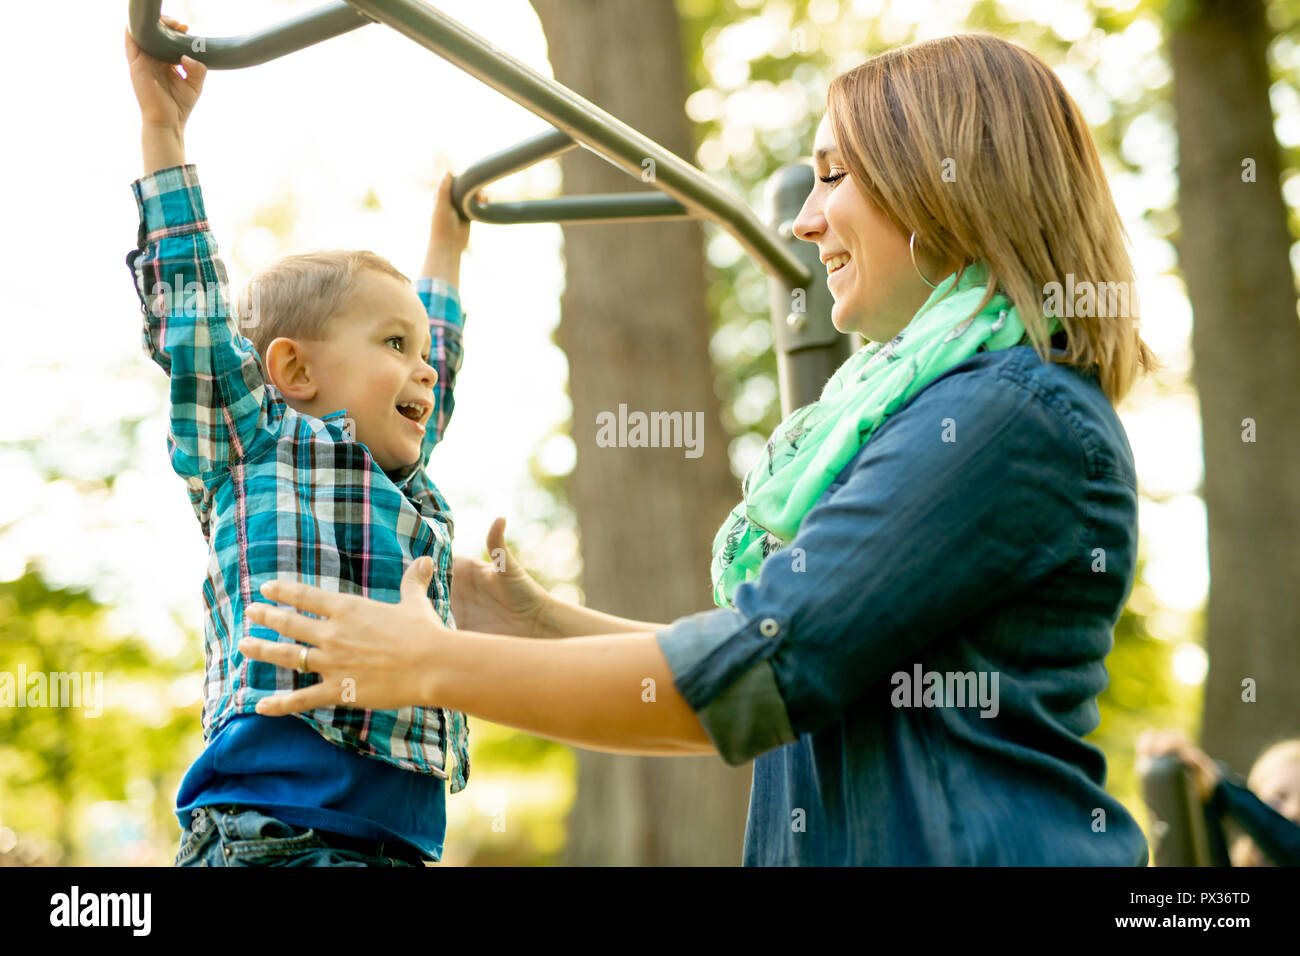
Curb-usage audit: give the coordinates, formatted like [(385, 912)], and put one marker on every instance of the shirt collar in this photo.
[(339, 419)]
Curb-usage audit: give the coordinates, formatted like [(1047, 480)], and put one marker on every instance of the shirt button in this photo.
[(768, 627)]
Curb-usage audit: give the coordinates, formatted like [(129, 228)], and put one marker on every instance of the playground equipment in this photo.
[(1181, 834), (808, 346)]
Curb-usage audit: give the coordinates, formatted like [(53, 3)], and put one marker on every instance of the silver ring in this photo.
[(302, 660), (911, 247)]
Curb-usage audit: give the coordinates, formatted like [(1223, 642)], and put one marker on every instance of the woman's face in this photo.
[(870, 274)]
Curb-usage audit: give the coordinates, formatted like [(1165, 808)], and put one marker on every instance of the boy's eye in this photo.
[(398, 338)]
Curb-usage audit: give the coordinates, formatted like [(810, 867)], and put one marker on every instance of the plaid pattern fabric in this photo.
[(279, 494)]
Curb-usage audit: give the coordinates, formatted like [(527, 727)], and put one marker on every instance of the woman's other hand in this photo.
[(498, 596)]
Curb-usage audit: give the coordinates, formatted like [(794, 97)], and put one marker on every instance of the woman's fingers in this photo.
[(496, 536), (280, 653), (286, 623), (305, 597), (416, 578), (308, 698)]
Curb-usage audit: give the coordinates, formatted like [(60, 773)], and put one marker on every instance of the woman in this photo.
[(918, 589)]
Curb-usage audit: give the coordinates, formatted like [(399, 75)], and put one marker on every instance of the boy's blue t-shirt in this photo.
[(284, 767)]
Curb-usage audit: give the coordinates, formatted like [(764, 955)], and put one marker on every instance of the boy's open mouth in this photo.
[(415, 411)]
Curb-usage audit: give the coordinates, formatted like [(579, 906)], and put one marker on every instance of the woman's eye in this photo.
[(832, 179)]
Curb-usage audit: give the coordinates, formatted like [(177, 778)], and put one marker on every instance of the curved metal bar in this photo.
[(250, 49), (605, 207), (500, 165), (569, 210)]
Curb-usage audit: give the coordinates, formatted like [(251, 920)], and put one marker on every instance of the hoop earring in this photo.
[(911, 247)]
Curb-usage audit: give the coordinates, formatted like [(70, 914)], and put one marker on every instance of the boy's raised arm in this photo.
[(437, 289), (217, 388), (218, 391)]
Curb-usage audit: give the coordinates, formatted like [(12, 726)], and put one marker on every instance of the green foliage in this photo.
[(57, 762)]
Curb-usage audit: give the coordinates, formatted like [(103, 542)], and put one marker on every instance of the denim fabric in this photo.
[(988, 530), (237, 835)]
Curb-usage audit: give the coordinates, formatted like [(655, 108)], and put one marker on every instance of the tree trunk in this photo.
[(1246, 343), (635, 328)]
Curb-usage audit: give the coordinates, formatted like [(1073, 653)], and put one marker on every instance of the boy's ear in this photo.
[(288, 369)]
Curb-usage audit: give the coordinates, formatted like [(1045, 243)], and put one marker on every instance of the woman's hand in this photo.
[(166, 97), (1156, 743), (498, 597), (369, 654)]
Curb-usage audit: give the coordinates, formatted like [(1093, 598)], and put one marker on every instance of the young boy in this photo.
[(303, 448)]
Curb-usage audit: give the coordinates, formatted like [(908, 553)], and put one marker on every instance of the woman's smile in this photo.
[(839, 271)]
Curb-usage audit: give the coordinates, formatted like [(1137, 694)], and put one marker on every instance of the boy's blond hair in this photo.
[(297, 296)]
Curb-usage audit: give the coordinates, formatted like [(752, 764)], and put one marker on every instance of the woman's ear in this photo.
[(288, 369)]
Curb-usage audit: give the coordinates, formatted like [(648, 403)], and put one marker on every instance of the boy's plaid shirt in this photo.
[(281, 494)]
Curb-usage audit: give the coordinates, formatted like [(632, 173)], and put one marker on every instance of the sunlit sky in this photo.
[(372, 110)]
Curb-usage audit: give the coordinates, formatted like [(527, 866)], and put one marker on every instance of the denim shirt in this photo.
[(915, 673)]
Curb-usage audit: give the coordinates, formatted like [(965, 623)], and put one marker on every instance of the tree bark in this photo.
[(635, 328), (1246, 344)]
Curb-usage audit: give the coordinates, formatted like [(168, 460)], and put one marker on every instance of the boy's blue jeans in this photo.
[(237, 835)]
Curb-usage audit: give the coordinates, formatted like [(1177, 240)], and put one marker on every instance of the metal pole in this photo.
[(808, 346), (1179, 833)]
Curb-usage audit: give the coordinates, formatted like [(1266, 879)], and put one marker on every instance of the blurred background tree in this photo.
[(635, 328), (1235, 250)]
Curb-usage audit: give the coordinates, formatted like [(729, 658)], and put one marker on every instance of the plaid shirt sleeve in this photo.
[(446, 326), (218, 392)]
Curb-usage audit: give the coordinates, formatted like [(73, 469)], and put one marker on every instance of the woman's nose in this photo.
[(810, 223)]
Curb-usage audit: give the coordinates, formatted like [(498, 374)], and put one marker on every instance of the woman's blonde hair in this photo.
[(971, 142), (296, 296)]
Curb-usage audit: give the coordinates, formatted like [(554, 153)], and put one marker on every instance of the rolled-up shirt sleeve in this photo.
[(963, 497)]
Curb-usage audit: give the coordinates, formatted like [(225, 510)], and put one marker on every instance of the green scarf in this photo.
[(814, 444)]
